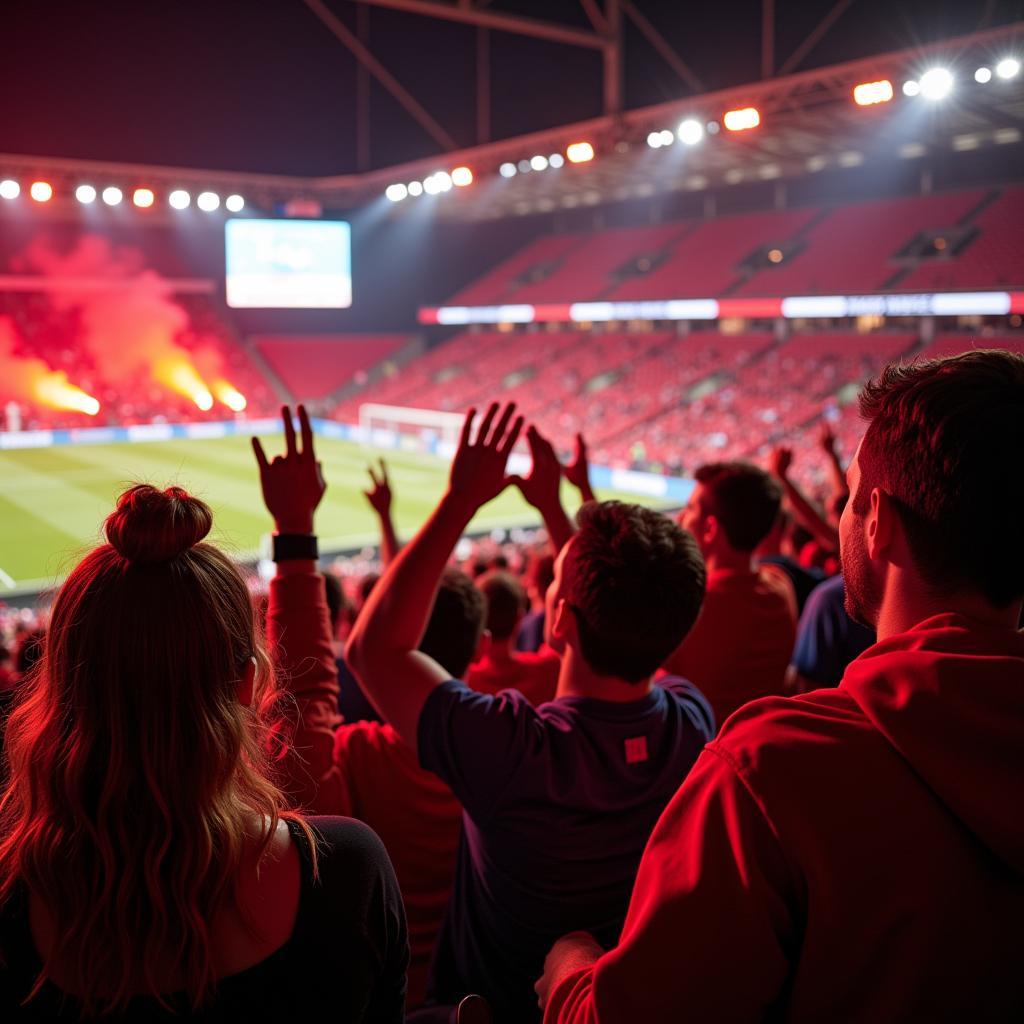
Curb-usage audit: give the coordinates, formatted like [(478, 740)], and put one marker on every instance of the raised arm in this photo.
[(541, 488), (803, 511), (379, 497), (577, 472), (298, 625), (836, 473), (383, 648)]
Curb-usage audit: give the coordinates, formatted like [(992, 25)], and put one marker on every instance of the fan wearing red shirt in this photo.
[(857, 853), (500, 667), (741, 646)]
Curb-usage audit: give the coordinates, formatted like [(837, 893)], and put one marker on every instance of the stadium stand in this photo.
[(314, 366)]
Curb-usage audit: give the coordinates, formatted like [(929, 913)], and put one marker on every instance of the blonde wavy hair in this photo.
[(137, 777)]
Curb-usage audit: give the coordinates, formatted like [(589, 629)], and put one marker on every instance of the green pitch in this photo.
[(53, 500)]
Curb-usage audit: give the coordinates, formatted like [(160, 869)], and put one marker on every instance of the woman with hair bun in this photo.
[(149, 866)]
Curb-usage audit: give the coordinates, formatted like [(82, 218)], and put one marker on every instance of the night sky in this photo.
[(261, 85)]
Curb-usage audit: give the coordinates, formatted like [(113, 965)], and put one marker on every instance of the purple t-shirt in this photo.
[(558, 801)]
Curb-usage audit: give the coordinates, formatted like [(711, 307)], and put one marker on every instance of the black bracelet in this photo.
[(288, 546)]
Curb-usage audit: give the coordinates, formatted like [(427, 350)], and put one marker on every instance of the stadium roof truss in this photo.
[(808, 121)]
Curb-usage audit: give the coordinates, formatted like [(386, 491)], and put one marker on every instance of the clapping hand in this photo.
[(292, 483), (577, 472), (541, 485), (780, 461), (478, 469)]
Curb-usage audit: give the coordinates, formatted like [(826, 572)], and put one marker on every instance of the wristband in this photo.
[(289, 546)]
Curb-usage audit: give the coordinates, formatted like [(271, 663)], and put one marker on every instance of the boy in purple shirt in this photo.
[(558, 800)]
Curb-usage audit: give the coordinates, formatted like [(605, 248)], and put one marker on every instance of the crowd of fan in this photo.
[(757, 762)]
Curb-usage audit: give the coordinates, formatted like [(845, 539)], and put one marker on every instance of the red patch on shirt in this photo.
[(636, 749)]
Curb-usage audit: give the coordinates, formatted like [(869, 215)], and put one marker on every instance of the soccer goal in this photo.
[(421, 430)]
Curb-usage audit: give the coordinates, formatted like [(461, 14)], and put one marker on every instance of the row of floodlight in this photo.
[(112, 195), (937, 83), (691, 131), (442, 181)]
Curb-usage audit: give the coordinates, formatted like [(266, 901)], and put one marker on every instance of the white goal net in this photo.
[(421, 430)]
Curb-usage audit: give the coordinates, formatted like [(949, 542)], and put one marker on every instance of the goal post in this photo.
[(422, 430)]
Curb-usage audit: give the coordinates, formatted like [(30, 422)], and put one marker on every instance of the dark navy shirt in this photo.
[(827, 639), (558, 801)]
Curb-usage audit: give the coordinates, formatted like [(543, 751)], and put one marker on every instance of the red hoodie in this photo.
[(850, 854)]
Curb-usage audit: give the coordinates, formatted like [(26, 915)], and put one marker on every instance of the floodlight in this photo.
[(936, 83), (524, 166), (234, 203), (654, 140), (911, 88), (143, 197), (9, 189), (1008, 67), (443, 180), (85, 194), (869, 93), (741, 120), (396, 193), (690, 132), (41, 191), (507, 170), (539, 163), (461, 177), (983, 75), (112, 195), (208, 201), (579, 152), (556, 160), (179, 199), (415, 188), (431, 185)]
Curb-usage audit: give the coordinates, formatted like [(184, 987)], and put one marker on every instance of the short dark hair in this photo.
[(635, 581), (743, 498), (506, 602), (937, 440), (456, 623)]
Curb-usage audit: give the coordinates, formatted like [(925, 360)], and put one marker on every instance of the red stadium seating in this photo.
[(312, 367)]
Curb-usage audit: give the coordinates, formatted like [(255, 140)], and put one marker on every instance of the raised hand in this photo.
[(827, 439), (478, 469), (379, 495), (577, 472), (779, 462), (541, 485), (292, 483)]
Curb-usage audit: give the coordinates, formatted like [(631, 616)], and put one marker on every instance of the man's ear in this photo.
[(247, 683), (564, 625), (881, 524), (709, 530)]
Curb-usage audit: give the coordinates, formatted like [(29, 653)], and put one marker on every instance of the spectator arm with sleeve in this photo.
[(383, 648), (712, 896), (299, 631)]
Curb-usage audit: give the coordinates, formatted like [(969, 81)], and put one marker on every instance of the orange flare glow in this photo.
[(53, 389), (229, 395), (183, 377)]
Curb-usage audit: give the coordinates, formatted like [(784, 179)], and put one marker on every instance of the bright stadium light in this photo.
[(41, 191), (396, 193), (524, 166), (741, 120), (444, 181), (112, 195), (912, 88), (415, 188), (234, 203), (655, 140), (539, 163), (936, 83), (579, 152), (208, 201), (431, 185), (507, 170), (556, 160), (179, 199), (983, 75), (1008, 67), (867, 94), (461, 177), (143, 197), (690, 132), (9, 189), (85, 194)]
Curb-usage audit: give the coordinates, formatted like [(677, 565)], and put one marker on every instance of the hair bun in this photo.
[(150, 525)]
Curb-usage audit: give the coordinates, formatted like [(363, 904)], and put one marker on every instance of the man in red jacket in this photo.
[(858, 853)]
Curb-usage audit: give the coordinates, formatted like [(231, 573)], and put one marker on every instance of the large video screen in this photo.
[(288, 264)]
